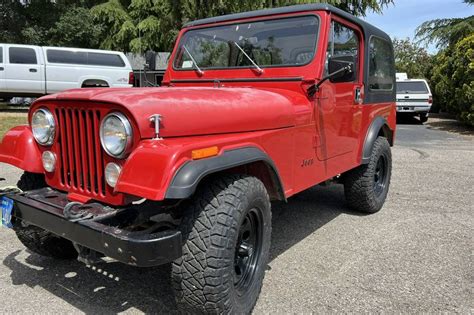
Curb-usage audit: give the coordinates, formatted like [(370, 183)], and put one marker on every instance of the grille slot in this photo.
[(80, 151)]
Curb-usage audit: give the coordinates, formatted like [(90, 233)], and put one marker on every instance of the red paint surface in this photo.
[(309, 140)]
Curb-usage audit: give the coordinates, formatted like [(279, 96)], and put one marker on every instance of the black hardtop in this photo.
[(368, 29)]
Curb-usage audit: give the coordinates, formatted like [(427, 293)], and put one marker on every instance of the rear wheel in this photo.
[(35, 238), (423, 117), (366, 187), (226, 231)]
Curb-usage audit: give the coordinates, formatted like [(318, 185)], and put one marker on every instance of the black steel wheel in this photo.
[(380, 176), (248, 250), (226, 244)]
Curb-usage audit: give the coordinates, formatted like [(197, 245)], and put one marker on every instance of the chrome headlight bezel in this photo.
[(128, 133), (48, 139)]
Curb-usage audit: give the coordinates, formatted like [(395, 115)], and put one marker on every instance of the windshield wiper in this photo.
[(196, 67), (259, 70)]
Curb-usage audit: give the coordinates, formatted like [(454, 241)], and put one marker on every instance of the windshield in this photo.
[(415, 87), (282, 42)]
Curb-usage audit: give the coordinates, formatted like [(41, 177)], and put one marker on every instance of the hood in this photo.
[(198, 110)]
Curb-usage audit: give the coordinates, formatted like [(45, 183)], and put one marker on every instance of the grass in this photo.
[(8, 121)]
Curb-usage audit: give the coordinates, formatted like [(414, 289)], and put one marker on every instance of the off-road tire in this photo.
[(204, 277), (359, 184), (35, 238), (423, 118)]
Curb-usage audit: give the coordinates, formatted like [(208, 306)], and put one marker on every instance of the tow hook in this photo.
[(87, 256)]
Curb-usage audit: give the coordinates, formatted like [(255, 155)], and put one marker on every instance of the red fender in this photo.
[(19, 148)]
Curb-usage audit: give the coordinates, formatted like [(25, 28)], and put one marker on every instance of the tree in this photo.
[(453, 78), (140, 25), (75, 28), (445, 32), (30, 21), (411, 58), (11, 21)]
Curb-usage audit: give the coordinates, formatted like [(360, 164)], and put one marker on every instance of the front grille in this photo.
[(80, 153)]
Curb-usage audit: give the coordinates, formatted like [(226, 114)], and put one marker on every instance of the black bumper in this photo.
[(133, 248)]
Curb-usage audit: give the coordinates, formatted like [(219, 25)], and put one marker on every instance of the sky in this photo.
[(401, 20)]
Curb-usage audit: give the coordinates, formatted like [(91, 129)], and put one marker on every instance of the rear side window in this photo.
[(381, 67), (417, 87), (1, 54), (84, 58), (108, 60), (64, 56), (21, 55)]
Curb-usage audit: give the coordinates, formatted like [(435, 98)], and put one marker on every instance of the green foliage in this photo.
[(11, 21), (453, 75), (452, 71), (412, 58), (75, 28), (445, 32), (140, 25), (47, 22)]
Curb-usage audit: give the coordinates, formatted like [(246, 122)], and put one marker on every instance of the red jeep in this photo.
[(254, 107)]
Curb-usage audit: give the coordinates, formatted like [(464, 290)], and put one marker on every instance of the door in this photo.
[(2, 71), (339, 103), (23, 71)]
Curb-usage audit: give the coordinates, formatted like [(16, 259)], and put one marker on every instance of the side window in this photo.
[(65, 56), (21, 55), (343, 42), (1, 54), (381, 67), (109, 60)]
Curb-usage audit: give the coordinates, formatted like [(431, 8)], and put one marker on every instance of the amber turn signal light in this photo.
[(204, 153)]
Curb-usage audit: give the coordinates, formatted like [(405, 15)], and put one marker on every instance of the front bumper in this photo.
[(101, 230)]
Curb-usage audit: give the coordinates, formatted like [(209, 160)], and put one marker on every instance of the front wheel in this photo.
[(35, 238), (226, 231), (366, 187)]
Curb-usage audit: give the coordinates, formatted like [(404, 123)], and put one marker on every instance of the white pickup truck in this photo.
[(35, 71)]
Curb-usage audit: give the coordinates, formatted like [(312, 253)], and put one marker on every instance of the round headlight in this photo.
[(43, 126), (49, 161), (112, 173), (116, 135)]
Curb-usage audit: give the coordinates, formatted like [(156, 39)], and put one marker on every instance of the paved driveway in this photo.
[(416, 255)]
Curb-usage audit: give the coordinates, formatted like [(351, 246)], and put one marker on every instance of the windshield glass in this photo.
[(282, 42), (415, 87)]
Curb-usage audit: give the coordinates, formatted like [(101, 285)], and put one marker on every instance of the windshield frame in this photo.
[(315, 49)]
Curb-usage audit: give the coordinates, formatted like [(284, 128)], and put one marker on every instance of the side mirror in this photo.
[(340, 62)]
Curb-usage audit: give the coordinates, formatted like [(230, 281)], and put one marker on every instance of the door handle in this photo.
[(33, 70), (1, 68), (358, 96)]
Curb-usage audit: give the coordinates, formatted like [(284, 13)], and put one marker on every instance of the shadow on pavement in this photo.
[(113, 287), (451, 125), (407, 120)]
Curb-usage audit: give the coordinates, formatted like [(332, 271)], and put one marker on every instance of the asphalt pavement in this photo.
[(415, 256)]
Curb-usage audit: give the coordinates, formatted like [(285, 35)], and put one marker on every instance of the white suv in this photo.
[(35, 71), (414, 97)]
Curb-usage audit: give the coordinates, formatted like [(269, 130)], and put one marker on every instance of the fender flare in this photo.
[(187, 178), (373, 132), (19, 148)]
